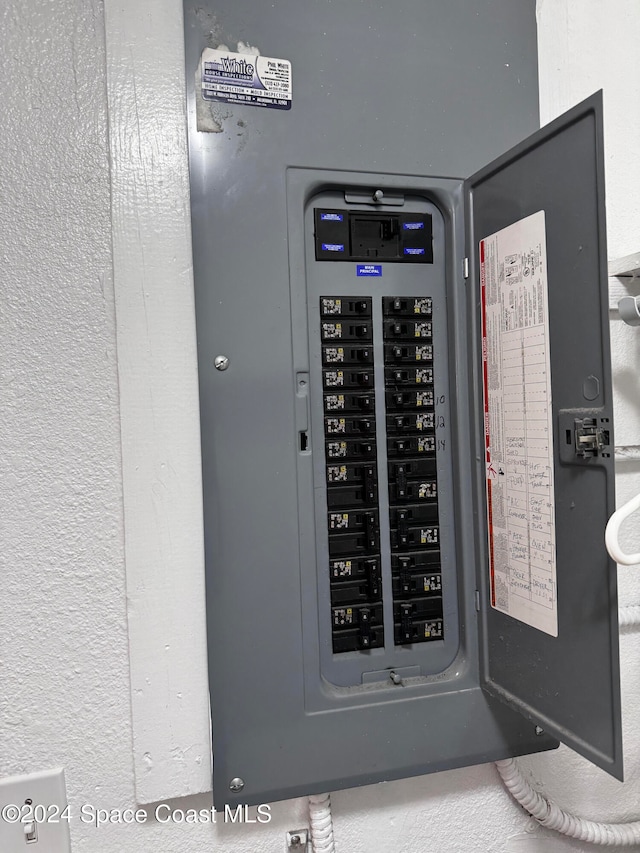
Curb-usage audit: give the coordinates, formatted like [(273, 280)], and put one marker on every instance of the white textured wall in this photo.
[(64, 663)]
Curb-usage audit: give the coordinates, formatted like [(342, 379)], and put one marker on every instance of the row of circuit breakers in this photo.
[(352, 471)]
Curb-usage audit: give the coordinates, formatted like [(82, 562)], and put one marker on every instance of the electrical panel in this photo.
[(405, 557)]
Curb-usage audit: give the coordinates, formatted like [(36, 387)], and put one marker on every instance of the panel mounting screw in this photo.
[(378, 195), (539, 730), (236, 784), (221, 362)]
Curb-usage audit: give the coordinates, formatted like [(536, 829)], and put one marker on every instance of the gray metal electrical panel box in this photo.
[(407, 452)]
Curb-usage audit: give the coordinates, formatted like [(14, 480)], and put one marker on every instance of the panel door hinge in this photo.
[(477, 597), (465, 268)]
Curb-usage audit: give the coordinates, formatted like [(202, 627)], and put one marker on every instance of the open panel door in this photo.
[(549, 601)]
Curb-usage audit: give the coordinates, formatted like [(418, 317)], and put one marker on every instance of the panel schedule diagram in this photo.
[(413, 487), (351, 473), (518, 423)]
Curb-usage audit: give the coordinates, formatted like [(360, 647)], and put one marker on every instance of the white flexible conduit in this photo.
[(626, 615), (321, 823), (613, 529), (551, 816)]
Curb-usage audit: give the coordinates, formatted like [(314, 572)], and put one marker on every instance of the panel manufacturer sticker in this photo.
[(518, 423), (242, 78)]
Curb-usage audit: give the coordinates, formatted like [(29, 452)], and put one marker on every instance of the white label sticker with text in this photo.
[(518, 423), (243, 78)]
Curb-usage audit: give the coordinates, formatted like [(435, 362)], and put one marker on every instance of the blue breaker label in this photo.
[(243, 78), (369, 269)]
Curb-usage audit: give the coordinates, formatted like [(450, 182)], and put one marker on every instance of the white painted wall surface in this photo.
[(64, 651), (157, 372)]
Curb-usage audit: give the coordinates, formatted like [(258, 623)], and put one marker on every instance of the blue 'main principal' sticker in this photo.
[(334, 247), (414, 251), (412, 226), (369, 269), (332, 217)]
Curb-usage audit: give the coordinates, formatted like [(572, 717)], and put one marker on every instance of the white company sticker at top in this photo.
[(244, 78), (518, 423)]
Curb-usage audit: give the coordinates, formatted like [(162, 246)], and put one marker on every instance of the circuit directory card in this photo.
[(518, 423)]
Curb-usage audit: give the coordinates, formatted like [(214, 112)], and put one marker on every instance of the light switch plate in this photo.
[(39, 799)]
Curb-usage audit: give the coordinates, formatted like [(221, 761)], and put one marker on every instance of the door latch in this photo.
[(590, 437), (584, 434)]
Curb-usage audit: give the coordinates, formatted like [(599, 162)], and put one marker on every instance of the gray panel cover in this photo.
[(411, 88), (569, 684)]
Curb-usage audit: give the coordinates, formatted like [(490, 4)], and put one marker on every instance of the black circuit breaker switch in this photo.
[(423, 513), (405, 575), (420, 608), (339, 497), (414, 536), (402, 527), (345, 306), (400, 478), (356, 543), (408, 329), (409, 376), (372, 530), (419, 422), (348, 402), (347, 378), (349, 426), (417, 354), (398, 306), (356, 616), (339, 330), (346, 355), (364, 628), (407, 584), (419, 490), (362, 569), (410, 399), (350, 449), (375, 580), (370, 483), (413, 468), (406, 623), (427, 562), (354, 520), (412, 445)]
